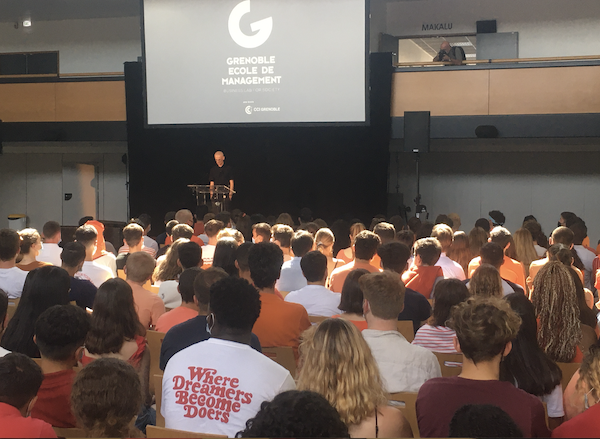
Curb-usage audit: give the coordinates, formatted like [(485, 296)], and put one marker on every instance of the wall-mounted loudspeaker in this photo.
[(416, 131), (486, 27), (486, 132)]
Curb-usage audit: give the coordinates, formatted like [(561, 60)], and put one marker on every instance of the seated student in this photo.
[(483, 420), (261, 232), (315, 298), (445, 236), (485, 327), (403, 367), (241, 261), (486, 282), (280, 323), (351, 302), (169, 234), (150, 244), (91, 270), (282, 235), (291, 278), (435, 335), (187, 255), (205, 219), (20, 380), (186, 217), (296, 414), (510, 270), (424, 274), (585, 255), (104, 413), (31, 244), (347, 254), (12, 279), (188, 309), (101, 255), (365, 246), (133, 235), (51, 236), (386, 233), (212, 229), (201, 210), (493, 254), (149, 306), (394, 257), (253, 377), (83, 292), (60, 332), (3, 318), (224, 256), (160, 239), (195, 330)]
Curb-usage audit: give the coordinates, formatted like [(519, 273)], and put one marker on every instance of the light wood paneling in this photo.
[(90, 101), (27, 102), (549, 90), (451, 93)]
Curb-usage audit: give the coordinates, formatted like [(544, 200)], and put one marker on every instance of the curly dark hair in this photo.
[(235, 304), (296, 414)]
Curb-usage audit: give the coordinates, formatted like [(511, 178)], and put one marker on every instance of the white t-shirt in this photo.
[(291, 278), (108, 260), (3, 352), (541, 251), (587, 257), (50, 253), (12, 281), (169, 294), (451, 269), (318, 300), (95, 273), (215, 386), (149, 242), (208, 252)]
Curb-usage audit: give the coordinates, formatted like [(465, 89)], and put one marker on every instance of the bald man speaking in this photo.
[(221, 174)]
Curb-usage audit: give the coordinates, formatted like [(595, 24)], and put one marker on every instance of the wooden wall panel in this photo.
[(451, 93), (90, 101), (27, 102), (549, 90)]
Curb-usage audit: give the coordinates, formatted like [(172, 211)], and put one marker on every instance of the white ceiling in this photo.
[(44, 10)]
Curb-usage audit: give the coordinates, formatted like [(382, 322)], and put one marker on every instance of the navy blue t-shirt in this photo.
[(416, 308), (83, 292)]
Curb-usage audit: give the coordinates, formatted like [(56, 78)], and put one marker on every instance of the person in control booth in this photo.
[(447, 53), (221, 174)]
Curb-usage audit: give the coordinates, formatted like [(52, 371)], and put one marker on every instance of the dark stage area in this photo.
[(337, 171)]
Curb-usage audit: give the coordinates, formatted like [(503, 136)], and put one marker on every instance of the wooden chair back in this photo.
[(568, 370), (284, 356), (409, 410), (162, 432), (121, 274), (152, 288), (406, 328), (12, 308), (449, 370), (157, 381), (155, 340), (317, 319), (69, 432)]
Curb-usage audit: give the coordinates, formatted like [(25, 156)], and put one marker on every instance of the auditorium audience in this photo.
[(60, 332), (160, 239), (586, 256), (211, 229), (456, 223), (145, 221), (314, 297), (261, 232), (149, 306), (45, 287), (189, 255), (224, 256), (486, 282), (20, 380), (483, 420), (12, 278), (386, 233), (282, 235), (31, 244), (403, 367), (324, 242), (82, 291), (280, 323), (477, 237), (351, 301), (104, 413), (252, 375), (51, 236), (445, 236), (394, 257), (241, 261), (296, 414), (435, 335), (338, 364), (424, 274), (101, 256), (364, 247), (414, 224), (347, 254), (587, 314), (91, 270), (166, 274), (540, 241), (484, 329), (291, 277), (133, 235), (525, 249), (188, 309), (169, 234), (185, 217), (460, 251)]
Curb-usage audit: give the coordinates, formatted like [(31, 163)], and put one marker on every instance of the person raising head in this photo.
[(365, 248), (337, 363)]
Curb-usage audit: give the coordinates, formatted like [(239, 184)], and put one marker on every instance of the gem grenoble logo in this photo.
[(262, 27)]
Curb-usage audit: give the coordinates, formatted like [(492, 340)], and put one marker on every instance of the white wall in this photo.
[(94, 45), (31, 180), (546, 27)]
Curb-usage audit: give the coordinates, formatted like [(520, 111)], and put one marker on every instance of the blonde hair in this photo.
[(337, 363), (285, 218), (324, 238), (169, 269), (355, 229), (29, 238), (524, 248), (486, 282), (231, 233), (555, 301)]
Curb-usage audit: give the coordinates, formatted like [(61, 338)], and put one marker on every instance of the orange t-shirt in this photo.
[(280, 323), (345, 255), (194, 238), (148, 305), (360, 324), (422, 279), (511, 270), (198, 228), (174, 317), (339, 275)]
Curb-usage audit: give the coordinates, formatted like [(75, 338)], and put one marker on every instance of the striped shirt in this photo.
[(436, 339)]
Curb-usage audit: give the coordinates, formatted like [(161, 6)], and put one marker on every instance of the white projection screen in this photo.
[(255, 61)]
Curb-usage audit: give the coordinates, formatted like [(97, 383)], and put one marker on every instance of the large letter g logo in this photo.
[(264, 27)]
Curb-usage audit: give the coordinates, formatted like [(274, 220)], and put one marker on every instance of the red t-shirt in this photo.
[(54, 400), (586, 424), (440, 398), (15, 425)]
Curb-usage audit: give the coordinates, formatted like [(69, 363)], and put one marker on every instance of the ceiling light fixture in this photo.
[(26, 23)]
